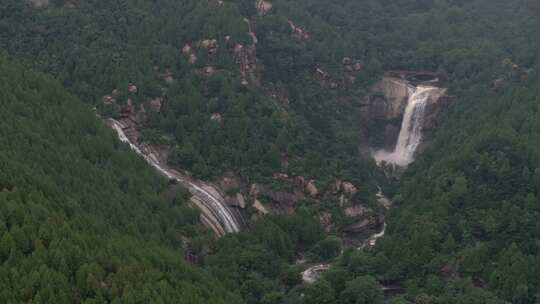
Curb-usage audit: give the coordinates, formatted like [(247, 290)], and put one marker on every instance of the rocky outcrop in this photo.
[(263, 7), (325, 80), (261, 209), (388, 99), (284, 200), (298, 32), (189, 49), (246, 59)]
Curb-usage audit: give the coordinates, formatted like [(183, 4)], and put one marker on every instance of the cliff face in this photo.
[(389, 98), (386, 105)]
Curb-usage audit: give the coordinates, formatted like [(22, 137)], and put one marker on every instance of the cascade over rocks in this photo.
[(404, 106)]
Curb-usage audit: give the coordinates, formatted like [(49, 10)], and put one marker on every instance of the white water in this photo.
[(410, 134), (214, 203)]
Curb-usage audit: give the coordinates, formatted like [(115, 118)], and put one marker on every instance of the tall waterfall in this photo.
[(410, 134)]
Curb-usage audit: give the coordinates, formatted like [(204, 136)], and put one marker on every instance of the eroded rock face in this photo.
[(388, 100), (261, 209), (263, 7), (284, 199), (311, 188)]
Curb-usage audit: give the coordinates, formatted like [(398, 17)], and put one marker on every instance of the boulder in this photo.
[(395, 93), (263, 7), (186, 49), (241, 201), (355, 211), (348, 188), (155, 104), (312, 189), (217, 117), (132, 88), (335, 187), (260, 207)]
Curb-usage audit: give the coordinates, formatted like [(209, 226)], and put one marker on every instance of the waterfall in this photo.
[(410, 134), (206, 195)]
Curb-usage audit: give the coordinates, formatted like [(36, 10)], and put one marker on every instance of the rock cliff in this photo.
[(386, 103)]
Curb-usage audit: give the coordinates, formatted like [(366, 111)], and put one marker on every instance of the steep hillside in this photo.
[(275, 102), (82, 220), (217, 98)]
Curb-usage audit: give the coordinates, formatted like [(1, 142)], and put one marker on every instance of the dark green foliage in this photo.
[(466, 230), (122, 42), (83, 220)]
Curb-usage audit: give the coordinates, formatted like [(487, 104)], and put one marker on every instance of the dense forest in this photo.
[(83, 220)]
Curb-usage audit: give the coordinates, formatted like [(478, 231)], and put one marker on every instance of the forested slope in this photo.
[(82, 219), (464, 228), (135, 42)]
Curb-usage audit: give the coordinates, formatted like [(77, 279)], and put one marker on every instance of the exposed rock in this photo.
[(241, 200), (186, 49), (361, 226), (321, 72), (435, 104), (237, 201), (229, 183), (245, 57), (254, 39), (325, 218), (335, 187), (155, 104), (312, 189), (132, 88), (260, 207), (300, 181), (499, 84), (390, 97), (283, 198), (355, 211), (168, 79), (192, 59), (217, 117), (108, 99), (263, 7), (325, 80), (391, 134), (209, 70), (348, 188), (280, 176), (395, 93), (208, 44), (167, 76), (298, 32)]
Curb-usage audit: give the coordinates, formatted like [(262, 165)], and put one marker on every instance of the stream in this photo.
[(312, 273), (205, 194)]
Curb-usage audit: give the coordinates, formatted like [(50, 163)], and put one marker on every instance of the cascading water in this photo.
[(410, 134), (212, 201)]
